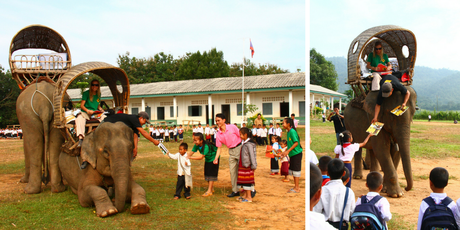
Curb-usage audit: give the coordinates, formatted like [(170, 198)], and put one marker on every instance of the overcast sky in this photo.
[(436, 25), (100, 30)]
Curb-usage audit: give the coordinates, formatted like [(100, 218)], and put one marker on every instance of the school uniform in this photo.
[(438, 197), (166, 135), (274, 166), (151, 131), (259, 136), (382, 205), (162, 133), (199, 130), (175, 134), (157, 132), (180, 131), (184, 174), (263, 136), (278, 132), (349, 151), (271, 132), (207, 133)]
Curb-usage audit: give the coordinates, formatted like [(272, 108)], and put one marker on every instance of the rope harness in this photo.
[(33, 95)]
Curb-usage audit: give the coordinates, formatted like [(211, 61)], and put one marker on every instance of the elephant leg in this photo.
[(90, 192), (358, 170), (56, 141), (35, 152), (27, 151), (395, 155), (138, 201), (382, 145), (367, 160), (375, 165)]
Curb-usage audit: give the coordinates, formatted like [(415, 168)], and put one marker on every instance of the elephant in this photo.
[(391, 145), (42, 142), (109, 151)]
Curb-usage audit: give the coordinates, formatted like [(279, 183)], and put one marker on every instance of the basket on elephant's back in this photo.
[(397, 42)]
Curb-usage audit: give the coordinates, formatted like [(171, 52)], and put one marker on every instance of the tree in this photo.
[(9, 92), (210, 64), (322, 72), (250, 69)]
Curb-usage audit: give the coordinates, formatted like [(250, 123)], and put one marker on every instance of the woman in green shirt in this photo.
[(90, 103), (373, 60), (294, 150), (208, 152)]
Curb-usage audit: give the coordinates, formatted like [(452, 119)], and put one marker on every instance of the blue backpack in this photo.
[(438, 216), (367, 216)]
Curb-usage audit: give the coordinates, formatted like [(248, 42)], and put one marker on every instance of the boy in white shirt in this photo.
[(194, 130), (333, 195), (278, 130), (374, 182), (259, 135), (271, 132), (254, 133), (162, 133), (166, 134), (316, 219), (184, 174), (207, 132), (199, 129), (175, 133), (180, 132), (157, 131), (263, 136), (439, 178), (151, 131)]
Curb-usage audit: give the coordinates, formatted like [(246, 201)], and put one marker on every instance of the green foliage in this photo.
[(210, 64), (350, 95), (441, 115), (9, 92), (250, 69), (253, 117), (248, 109), (322, 72)]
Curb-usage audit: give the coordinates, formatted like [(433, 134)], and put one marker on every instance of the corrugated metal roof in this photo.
[(322, 90), (271, 81)]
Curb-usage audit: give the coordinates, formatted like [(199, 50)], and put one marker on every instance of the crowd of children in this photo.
[(332, 198), (11, 133)]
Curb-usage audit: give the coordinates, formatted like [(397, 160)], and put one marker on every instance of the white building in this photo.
[(324, 98), (275, 95)]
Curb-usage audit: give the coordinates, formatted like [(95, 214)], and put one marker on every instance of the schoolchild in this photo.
[(180, 132), (278, 131), (333, 196), (215, 132), (151, 131), (247, 165), (274, 165), (207, 151), (254, 133), (157, 131), (263, 135), (207, 132), (346, 150), (316, 219), (162, 133), (374, 182), (184, 174), (175, 133), (171, 133), (194, 130), (166, 134), (259, 135), (439, 178), (323, 161), (294, 150), (199, 129), (271, 132)]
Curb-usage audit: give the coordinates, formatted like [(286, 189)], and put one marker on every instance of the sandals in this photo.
[(188, 197), (246, 201), (176, 198), (207, 194), (239, 198), (292, 191), (286, 180)]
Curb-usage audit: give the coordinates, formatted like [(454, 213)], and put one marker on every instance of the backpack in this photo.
[(367, 216), (438, 215)]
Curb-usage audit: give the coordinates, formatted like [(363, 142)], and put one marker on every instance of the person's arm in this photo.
[(329, 117), (201, 156), (136, 139), (370, 67), (389, 66), (365, 141), (216, 160), (88, 111), (376, 113), (285, 153), (147, 136), (406, 98)]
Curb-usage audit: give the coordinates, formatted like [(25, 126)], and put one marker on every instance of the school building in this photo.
[(324, 98), (275, 95)]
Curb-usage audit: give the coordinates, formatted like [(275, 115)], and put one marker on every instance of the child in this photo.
[(254, 133), (439, 178), (184, 174), (374, 182), (180, 131), (271, 132), (323, 161), (166, 134), (162, 134), (247, 165), (151, 131), (215, 132), (316, 219), (157, 132), (274, 166), (333, 195), (284, 160), (194, 130), (199, 129), (295, 153), (259, 135), (207, 151), (346, 178), (264, 135), (175, 133), (171, 133), (278, 130), (345, 151), (207, 132)]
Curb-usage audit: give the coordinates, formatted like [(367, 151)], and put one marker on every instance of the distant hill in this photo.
[(429, 83)]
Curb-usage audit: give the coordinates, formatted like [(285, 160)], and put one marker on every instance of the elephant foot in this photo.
[(58, 188), (29, 189), (140, 208), (393, 192), (24, 179), (357, 176), (106, 213)]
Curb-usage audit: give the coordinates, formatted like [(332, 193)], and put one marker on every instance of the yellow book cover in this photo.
[(398, 111), (375, 128)]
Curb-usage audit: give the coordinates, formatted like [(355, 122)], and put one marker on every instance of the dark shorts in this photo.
[(295, 164), (211, 171)]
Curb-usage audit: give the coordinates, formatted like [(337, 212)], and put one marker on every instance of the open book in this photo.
[(398, 111), (375, 128)]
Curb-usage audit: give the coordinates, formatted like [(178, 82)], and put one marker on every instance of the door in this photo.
[(147, 110), (212, 115), (160, 113), (226, 112), (302, 112), (284, 109)]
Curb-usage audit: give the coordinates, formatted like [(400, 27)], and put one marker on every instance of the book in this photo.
[(163, 148), (269, 152), (375, 128), (398, 111)]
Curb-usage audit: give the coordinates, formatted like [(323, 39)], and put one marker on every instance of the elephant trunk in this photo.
[(120, 174)]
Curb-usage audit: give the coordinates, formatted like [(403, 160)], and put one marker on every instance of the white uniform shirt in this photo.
[(157, 131), (166, 132), (162, 131), (271, 131), (349, 151), (437, 197), (151, 130), (313, 158), (254, 132), (195, 130), (181, 167), (207, 131), (259, 132), (199, 130), (215, 132), (175, 131), (264, 132), (382, 205), (278, 132), (331, 201), (317, 222)]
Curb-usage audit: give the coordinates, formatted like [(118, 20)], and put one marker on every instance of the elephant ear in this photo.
[(369, 102), (88, 150)]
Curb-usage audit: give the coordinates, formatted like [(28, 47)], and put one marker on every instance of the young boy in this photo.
[(215, 130), (316, 219), (333, 195), (264, 135), (278, 131), (438, 181), (271, 132), (374, 182), (323, 161), (199, 129), (175, 133), (254, 133), (171, 134), (180, 131), (184, 174), (162, 134), (166, 134), (157, 132), (194, 130), (259, 135)]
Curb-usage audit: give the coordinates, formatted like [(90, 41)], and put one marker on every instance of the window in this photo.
[(267, 109), (171, 111), (134, 111), (239, 110), (194, 111)]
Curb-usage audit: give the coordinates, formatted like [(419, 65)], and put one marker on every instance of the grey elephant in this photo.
[(109, 150), (391, 145), (42, 142)]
